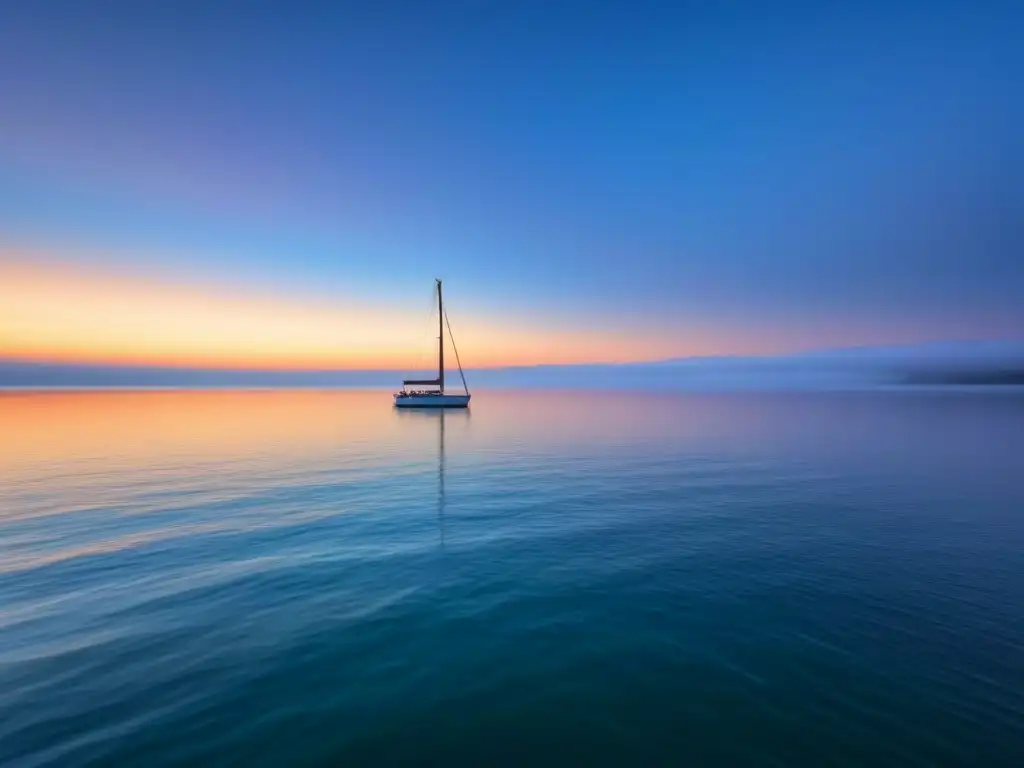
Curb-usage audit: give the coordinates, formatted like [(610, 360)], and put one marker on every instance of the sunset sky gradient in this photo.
[(276, 185)]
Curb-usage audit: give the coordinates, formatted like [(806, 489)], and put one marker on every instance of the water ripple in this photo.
[(736, 580)]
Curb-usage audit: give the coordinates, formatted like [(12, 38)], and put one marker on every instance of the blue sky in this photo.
[(732, 177)]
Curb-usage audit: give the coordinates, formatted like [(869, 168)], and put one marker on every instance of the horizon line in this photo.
[(36, 362)]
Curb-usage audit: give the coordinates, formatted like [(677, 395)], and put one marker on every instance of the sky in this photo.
[(277, 184)]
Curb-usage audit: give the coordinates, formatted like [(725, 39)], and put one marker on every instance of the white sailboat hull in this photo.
[(435, 400)]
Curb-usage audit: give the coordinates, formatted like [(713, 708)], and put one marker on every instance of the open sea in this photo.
[(550, 578)]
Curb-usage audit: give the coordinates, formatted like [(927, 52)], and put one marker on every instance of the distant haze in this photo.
[(978, 363)]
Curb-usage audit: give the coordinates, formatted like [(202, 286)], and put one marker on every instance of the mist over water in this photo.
[(313, 577), (972, 363)]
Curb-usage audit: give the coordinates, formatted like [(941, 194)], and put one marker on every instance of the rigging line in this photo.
[(420, 362), (456, 349), (430, 311)]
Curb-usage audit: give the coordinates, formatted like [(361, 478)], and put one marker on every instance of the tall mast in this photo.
[(440, 338)]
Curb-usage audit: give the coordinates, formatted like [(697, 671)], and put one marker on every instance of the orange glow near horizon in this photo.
[(54, 312)]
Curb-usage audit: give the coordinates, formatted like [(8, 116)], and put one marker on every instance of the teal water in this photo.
[(269, 578)]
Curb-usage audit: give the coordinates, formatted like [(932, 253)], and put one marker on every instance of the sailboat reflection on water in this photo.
[(460, 418)]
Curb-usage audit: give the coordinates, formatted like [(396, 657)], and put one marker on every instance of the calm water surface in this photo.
[(265, 578)]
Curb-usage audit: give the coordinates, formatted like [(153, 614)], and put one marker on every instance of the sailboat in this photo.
[(435, 398)]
